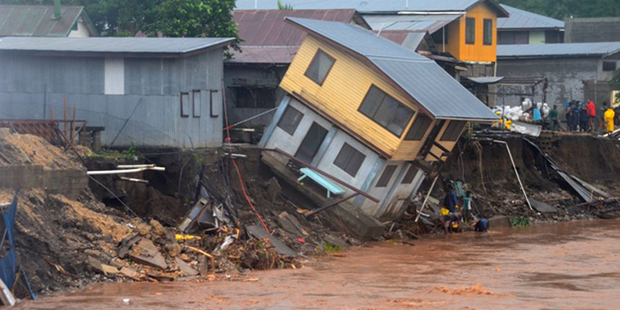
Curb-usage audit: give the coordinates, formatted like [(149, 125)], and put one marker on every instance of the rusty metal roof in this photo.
[(267, 27), (38, 20), (268, 39), (419, 77)]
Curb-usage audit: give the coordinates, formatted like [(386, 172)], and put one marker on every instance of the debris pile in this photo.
[(25, 149)]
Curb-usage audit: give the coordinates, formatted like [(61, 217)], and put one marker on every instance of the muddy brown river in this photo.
[(572, 265)]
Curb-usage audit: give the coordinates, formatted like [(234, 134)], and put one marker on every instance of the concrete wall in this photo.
[(69, 183), (566, 76), (391, 196), (151, 86), (252, 75), (600, 29)]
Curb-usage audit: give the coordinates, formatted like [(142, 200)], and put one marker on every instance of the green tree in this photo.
[(561, 9)]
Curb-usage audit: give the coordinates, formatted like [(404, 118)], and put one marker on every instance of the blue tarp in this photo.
[(8, 264)]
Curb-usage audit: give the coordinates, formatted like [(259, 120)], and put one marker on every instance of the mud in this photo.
[(571, 265)]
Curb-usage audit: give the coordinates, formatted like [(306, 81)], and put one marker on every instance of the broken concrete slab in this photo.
[(259, 232), (295, 222), (185, 268), (97, 266), (130, 273), (146, 253), (542, 207), (287, 222)]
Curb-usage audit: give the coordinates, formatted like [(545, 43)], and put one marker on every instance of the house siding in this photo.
[(343, 92), (27, 81)]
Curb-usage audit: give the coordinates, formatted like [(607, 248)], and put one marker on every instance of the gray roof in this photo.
[(520, 19), (600, 49), (172, 46), (438, 93), (415, 22), (366, 6)]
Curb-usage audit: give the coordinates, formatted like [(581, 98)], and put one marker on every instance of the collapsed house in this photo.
[(150, 92), (373, 115)]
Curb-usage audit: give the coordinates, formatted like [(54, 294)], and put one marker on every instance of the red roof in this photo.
[(268, 39)]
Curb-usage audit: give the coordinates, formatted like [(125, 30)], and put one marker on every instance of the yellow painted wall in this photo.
[(477, 51), (343, 92), (408, 150)]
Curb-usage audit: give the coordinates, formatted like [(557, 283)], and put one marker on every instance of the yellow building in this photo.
[(364, 109)]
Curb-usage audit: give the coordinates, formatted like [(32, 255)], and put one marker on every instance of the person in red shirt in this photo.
[(591, 114)]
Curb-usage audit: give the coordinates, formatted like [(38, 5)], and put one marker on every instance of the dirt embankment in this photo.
[(487, 171)]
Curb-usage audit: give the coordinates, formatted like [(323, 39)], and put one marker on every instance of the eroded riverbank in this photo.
[(572, 265)]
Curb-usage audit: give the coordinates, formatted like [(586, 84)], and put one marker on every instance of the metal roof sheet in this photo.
[(267, 27), (110, 45), (415, 22), (366, 6), (486, 79), (520, 19), (38, 20), (432, 87), (600, 49), (265, 54)]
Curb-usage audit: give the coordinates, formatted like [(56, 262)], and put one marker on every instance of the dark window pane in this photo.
[(522, 37), (419, 128), (386, 111), (349, 159), (311, 143), (251, 97), (410, 175), (488, 32), (609, 66), (290, 120), (372, 101), (470, 31), (453, 131), (386, 176), (401, 120), (319, 67), (440, 36)]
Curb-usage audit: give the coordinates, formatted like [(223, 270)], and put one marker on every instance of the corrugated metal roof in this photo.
[(38, 20), (520, 19), (416, 22), (110, 45), (366, 6), (408, 39), (267, 27), (265, 54), (432, 87), (599, 49)]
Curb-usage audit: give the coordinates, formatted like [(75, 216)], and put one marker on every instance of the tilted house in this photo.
[(152, 92), (364, 109), (269, 44)]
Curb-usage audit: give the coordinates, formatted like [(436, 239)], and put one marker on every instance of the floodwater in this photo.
[(572, 265)]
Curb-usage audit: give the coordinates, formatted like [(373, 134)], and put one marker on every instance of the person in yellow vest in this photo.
[(609, 120)]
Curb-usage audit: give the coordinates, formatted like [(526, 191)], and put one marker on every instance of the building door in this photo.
[(311, 143)]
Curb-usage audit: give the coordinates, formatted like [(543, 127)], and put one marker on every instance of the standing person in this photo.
[(569, 116), (602, 123), (450, 201), (609, 120), (584, 118), (553, 116), (467, 200), (574, 108), (591, 113)]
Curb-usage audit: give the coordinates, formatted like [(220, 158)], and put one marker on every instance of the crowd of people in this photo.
[(582, 117)]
